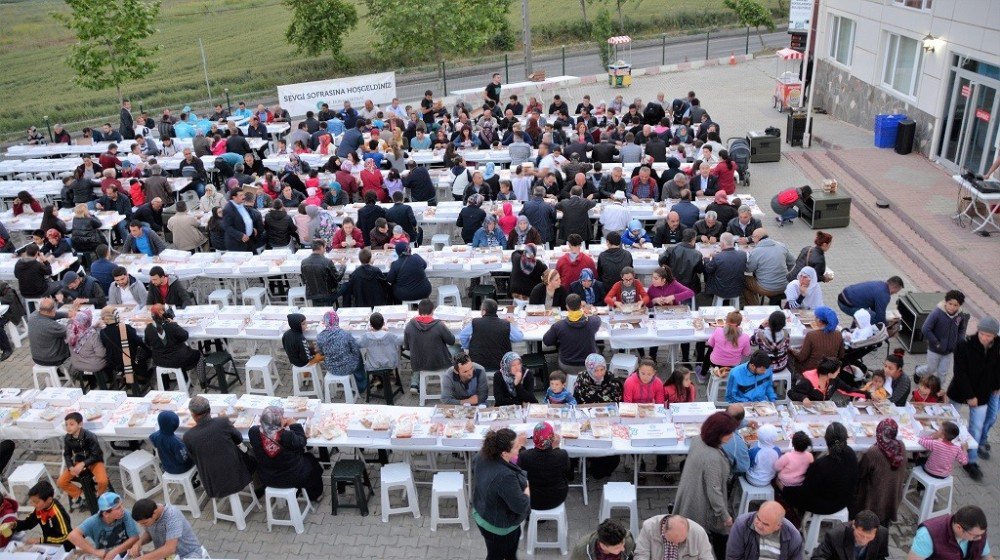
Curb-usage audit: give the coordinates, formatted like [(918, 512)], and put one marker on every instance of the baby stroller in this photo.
[(739, 152), (854, 353)]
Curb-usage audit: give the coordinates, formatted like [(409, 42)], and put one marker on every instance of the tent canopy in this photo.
[(789, 54), (620, 40)]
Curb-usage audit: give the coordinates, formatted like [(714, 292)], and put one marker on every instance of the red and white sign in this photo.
[(983, 115), (966, 91)]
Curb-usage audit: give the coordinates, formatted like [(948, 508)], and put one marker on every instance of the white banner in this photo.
[(308, 96), (800, 13)]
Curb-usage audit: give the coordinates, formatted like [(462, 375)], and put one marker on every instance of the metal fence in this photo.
[(574, 60)]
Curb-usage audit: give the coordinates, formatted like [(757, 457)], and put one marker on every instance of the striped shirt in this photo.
[(942, 456)]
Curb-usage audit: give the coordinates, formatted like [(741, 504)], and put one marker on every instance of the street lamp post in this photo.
[(229, 106), (51, 138)]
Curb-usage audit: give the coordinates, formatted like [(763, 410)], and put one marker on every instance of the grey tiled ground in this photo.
[(737, 97)]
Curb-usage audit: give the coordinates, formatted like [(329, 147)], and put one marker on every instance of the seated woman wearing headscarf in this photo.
[(86, 353), (170, 449), (522, 234), (591, 291), (408, 275), (804, 292), (823, 341), (279, 445), (167, 343), (511, 383), (547, 467), (341, 352), (490, 235), (127, 355), (321, 226), (863, 329), (525, 272), (595, 386)]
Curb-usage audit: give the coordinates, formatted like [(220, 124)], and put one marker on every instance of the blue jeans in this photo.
[(848, 309), (991, 418), (977, 420), (122, 228), (787, 213)]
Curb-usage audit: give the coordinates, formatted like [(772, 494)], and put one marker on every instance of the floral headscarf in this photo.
[(588, 293), (543, 436), (593, 363), (270, 429), (528, 259), (523, 228), (885, 440), (53, 232), (80, 329), (370, 165), (506, 362), (331, 320), (721, 197)]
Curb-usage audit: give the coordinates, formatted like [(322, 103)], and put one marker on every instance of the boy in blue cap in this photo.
[(108, 533)]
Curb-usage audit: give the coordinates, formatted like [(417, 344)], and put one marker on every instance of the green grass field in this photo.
[(244, 43)]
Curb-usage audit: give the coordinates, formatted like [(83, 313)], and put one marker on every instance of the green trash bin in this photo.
[(620, 74)]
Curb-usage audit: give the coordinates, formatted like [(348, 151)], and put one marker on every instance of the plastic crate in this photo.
[(886, 127)]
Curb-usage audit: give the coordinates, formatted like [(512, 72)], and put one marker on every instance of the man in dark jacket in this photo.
[(471, 218), (165, 290), (420, 184), (367, 215), (959, 535), (976, 383), (279, 226), (605, 151), (237, 144), (685, 261), (368, 285), (873, 296), (765, 528), (612, 260), (402, 215), (610, 540), (213, 444), (465, 383), (541, 214), (81, 451), (944, 327), (427, 340), (669, 232), (724, 270), (81, 290), (576, 339), (320, 276), (656, 148), (488, 338), (151, 214), (575, 214), (352, 139), (861, 539), (126, 125), (14, 314), (141, 239), (299, 350), (243, 225), (33, 273), (743, 225)]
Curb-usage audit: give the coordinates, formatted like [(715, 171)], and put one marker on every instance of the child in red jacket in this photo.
[(643, 386)]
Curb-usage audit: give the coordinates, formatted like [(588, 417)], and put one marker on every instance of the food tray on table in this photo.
[(268, 328), (596, 411), (454, 412), (41, 418), (645, 413), (816, 411), (861, 410), (862, 432), (749, 434), (393, 312), (10, 396), (236, 312), (501, 415), (408, 431), (224, 327), (551, 412), (105, 400), (692, 412), (376, 426), (166, 400), (653, 435), (938, 411), (274, 313), (59, 396), (464, 435), (764, 412), (300, 408), (255, 403), (594, 434), (674, 327)]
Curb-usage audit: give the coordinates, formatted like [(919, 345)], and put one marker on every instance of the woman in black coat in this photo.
[(408, 275), (525, 272), (86, 230), (279, 227), (279, 445), (166, 341), (831, 480), (471, 218), (511, 385), (593, 292), (550, 292), (547, 467), (136, 350)]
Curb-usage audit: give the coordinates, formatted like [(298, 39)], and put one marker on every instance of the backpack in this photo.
[(788, 197)]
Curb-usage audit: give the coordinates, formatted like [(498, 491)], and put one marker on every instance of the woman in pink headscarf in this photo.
[(342, 355), (372, 180), (507, 219), (325, 145), (547, 467)]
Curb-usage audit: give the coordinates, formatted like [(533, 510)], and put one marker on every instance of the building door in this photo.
[(969, 137)]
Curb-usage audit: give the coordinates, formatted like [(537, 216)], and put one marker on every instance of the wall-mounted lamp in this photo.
[(930, 43)]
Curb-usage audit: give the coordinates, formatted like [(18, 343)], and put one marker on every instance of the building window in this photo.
[(916, 4), (842, 40), (903, 56)]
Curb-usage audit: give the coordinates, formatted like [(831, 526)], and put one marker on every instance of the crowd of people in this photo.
[(559, 170)]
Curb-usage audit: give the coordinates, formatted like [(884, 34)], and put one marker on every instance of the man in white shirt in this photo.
[(396, 109), (369, 111), (615, 216)]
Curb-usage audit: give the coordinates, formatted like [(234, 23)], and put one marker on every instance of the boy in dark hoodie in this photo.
[(299, 350), (942, 330), (428, 340), (367, 284), (172, 452)]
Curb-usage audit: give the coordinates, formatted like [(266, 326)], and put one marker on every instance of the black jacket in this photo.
[(537, 296), (598, 287), (542, 216), (85, 449), (575, 218), (686, 263), (146, 213), (280, 228), (549, 474), (610, 264), (32, 277), (15, 310), (976, 371), (402, 215), (422, 188), (237, 144), (523, 393), (88, 289), (521, 283), (408, 277), (171, 350), (294, 341), (289, 468), (233, 225), (838, 544), (369, 287), (605, 152), (498, 492), (177, 295), (724, 273), (366, 220), (470, 219), (320, 276)]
